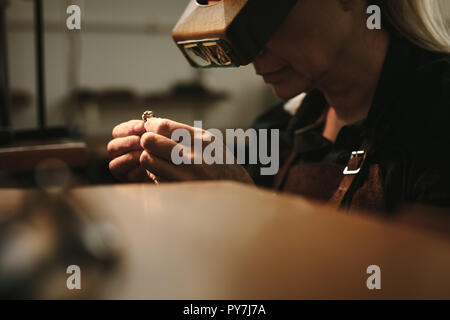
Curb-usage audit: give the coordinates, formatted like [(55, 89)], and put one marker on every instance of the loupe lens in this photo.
[(217, 54), (197, 55)]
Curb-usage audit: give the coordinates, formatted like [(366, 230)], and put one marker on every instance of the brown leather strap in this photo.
[(352, 170), (280, 178)]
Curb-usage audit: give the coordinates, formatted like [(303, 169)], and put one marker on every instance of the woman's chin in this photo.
[(286, 92)]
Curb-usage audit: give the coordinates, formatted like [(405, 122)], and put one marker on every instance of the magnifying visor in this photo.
[(228, 33)]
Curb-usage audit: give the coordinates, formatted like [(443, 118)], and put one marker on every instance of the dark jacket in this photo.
[(408, 126)]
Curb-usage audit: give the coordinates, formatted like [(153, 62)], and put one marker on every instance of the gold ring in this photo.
[(147, 115)]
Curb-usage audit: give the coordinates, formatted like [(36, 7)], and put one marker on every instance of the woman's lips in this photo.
[(274, 77)]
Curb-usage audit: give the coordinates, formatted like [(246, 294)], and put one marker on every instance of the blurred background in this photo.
[(123, 61)]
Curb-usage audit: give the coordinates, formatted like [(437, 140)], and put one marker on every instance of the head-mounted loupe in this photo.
[(228, 33)]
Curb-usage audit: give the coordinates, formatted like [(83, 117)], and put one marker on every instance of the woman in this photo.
[(380, 98)]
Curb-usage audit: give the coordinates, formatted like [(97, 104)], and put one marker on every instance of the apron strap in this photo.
[(280, 178), (351, 171)]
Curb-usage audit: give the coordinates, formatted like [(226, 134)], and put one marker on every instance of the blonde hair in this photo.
[(423, 22)]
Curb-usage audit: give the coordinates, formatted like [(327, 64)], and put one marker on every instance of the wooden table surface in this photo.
[(211, 240)]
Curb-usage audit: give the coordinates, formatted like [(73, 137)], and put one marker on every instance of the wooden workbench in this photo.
[(215, 240)]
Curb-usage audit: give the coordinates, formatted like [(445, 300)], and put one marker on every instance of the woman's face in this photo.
[(307, 45)]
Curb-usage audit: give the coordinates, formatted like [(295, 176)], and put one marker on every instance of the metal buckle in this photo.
[(355, 154)]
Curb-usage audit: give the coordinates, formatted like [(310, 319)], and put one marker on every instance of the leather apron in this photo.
[(357, 185)]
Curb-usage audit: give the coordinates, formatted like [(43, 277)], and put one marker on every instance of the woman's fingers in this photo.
[(121, 146), (121, 166), (163, 168), (130, 128), (158, 139), (143, 152), (138, 174), (166, 127), (158, 145)]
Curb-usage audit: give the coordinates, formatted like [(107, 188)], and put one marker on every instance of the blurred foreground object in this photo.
[(222, 240), (46, 236)]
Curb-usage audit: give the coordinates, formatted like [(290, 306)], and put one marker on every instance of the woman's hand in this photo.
[(125, 150), (157, 155)]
